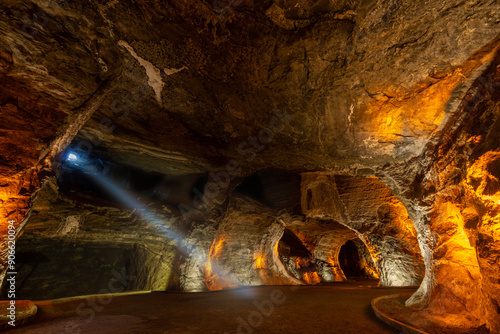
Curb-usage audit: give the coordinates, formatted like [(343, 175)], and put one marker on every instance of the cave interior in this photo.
[(196, 148)]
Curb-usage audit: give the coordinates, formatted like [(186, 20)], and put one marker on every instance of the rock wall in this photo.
[(452, 202), (367, 262), (28, 121), (245, 248), (242, 244), (482, 211), (384, 88), (72, 247), (193, 265), (379, 219), (323, 239)]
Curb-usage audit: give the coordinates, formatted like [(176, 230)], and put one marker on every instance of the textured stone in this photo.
[(406, 91), (324, 239), (193, 268), (459, 170), (245, 248), (379, 219), (75, 248)]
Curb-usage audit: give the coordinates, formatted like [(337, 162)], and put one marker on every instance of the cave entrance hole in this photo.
[(296, 258), (350, 260)]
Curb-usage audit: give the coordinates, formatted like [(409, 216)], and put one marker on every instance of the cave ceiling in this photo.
[(185, 86)]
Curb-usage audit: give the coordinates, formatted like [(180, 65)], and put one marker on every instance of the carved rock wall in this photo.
[(379, 219), (245, 248), (452, 201)]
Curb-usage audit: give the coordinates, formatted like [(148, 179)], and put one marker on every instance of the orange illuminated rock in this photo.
[(483, 191), (456, 212), (244, 251), (373, 214)]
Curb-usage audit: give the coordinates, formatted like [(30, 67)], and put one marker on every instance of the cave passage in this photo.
[(350, 261), (77, 173)]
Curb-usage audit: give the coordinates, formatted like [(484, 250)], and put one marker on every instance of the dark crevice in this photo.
[(279, 189), (291, 245), (350, 261)]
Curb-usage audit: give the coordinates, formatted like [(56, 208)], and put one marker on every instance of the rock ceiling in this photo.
[(181, 86), (403, 91)]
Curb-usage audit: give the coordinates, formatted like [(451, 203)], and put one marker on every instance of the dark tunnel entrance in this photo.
[(350, 260)]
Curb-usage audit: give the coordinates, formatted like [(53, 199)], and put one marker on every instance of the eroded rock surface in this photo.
[(71, 247), (379, 219), (404, 91)]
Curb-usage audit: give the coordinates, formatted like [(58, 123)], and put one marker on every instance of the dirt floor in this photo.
[(335, 308)]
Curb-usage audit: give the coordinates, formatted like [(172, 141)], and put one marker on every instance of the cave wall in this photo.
[(452, 203), (193, 265), (360, 88), (372, 211), (482, 211), (323, 239), (28, 122), (242, 245), (71, 247), (367, 263), (371, 207), (245, 248)]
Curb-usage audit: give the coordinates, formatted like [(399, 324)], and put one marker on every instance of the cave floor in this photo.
[(334, 308)]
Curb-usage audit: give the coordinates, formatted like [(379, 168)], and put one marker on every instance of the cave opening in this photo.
[(78, 176), (273, 187), (297, 258), (350, 261)]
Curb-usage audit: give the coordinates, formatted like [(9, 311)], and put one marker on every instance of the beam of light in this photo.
[(133, 204), (125, 197)]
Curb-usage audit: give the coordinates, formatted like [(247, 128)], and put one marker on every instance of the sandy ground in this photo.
[(337, 308)]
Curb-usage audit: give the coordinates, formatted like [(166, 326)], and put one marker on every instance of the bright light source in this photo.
[(71, 157)]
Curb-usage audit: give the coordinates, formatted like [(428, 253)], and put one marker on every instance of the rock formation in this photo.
[(201, 145)]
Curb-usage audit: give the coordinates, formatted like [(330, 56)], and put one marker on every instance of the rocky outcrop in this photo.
[(192, 269), (245, 249), (481, 218), (249, 244), (323, 239), (449, 205)]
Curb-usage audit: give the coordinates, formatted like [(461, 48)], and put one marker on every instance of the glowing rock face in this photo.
[(244, 251), (456, 216), (483, 190), (465, 222)]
